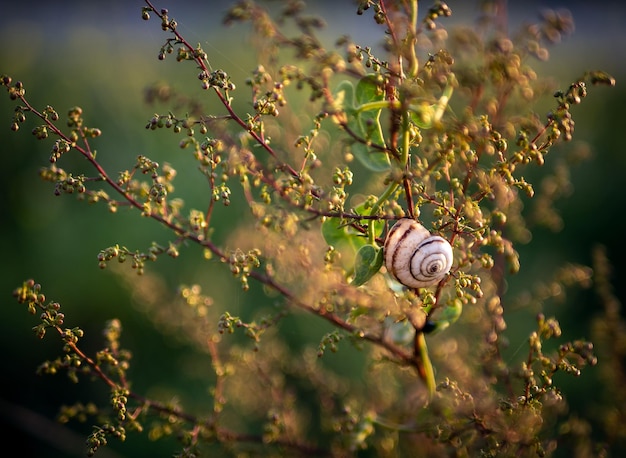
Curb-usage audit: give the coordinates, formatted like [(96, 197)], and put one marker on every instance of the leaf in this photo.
[(368, 90), (353, 244), (372, 160), (343, 101), (422, 115), (362, 121), (452, 312), (447, 316), (379, 224), (368, 261), (339, 234)]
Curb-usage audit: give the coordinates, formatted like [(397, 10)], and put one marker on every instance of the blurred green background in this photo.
[(102, 57)]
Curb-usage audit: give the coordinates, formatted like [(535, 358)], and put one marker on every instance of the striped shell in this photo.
[(414, 257)]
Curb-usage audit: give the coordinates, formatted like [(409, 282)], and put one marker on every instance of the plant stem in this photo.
[(425, 367), (413, 61), (377, 105), (383, 197)]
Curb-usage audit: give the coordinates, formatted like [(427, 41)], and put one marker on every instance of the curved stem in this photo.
[(413, 61), (423, 364), (377, 105), (442, 103)]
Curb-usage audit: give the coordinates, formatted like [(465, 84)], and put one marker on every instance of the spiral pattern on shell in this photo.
[(414, 257)]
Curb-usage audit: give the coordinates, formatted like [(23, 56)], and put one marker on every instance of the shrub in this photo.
[(306, 168)]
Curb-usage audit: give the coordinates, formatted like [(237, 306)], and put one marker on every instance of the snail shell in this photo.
[(414, 257)]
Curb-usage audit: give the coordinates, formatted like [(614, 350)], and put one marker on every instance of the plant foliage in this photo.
[(310, 161)]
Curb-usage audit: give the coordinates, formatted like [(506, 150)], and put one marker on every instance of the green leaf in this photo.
[(423, 115), (379, 224), (448, 315), (368, 261), (350, 241), (344, 97), (369, 90), (363, 121), (375, 161), (340, 235)]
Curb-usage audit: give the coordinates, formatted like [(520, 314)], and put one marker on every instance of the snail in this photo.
[(414, 256)]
